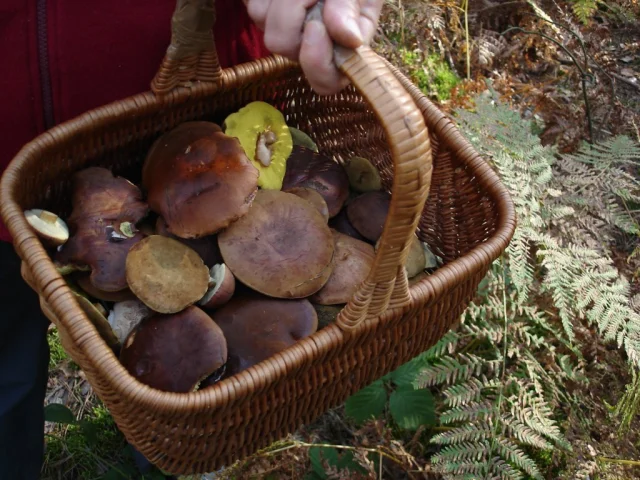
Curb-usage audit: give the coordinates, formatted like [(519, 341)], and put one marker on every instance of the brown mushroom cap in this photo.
[(206, 247), (102, 223), (257, 327), (198, 179), (282, 248), (306, 168), (312, 196), (84, 282), (352, 263), (165, 274), (368, 214), (175, 352), (342, 224)]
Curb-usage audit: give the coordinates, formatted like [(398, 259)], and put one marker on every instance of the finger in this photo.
[(341, 18), (316, 60), (369, 18), (257, 10), (283, 27)]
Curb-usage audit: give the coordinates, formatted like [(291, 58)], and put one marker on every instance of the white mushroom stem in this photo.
[(264, 151)]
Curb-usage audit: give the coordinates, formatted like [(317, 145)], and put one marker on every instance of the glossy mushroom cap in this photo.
[(102, 223), (342, 224), (198, 179), (174, 353), (282, 248), (165, 274), (368, 214), (257, 327), (352, 263), (306, 168), (206, 247)]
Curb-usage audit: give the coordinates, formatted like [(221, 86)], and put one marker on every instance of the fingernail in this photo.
[(354, 29)]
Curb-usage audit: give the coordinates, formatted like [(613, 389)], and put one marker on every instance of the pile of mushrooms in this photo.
[(240, 240)]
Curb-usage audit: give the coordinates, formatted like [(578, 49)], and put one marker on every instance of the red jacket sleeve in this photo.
[(64, 57)]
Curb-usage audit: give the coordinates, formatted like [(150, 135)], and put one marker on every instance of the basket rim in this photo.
[(81, 332)]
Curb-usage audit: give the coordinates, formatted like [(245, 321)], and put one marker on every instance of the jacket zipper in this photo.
[(43, 62)]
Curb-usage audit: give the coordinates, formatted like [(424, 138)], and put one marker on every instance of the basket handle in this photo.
[(191, 56)]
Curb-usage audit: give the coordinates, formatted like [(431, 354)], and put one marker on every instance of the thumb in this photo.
[(341, 19)]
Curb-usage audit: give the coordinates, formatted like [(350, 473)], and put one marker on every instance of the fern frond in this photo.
[(515, 455), (471, 411), (462, 453)]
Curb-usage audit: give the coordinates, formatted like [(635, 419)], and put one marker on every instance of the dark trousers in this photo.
[(24, 361)]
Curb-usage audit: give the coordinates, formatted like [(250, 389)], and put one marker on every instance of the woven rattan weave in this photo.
[(467, 219)]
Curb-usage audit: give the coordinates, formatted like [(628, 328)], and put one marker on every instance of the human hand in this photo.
[(350, 23)]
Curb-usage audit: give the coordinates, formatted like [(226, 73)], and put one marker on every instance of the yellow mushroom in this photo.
[(265, 138)]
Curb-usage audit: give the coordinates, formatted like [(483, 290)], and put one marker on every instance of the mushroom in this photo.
[(257, 327), (306, 168), (302, 139), (342, 224), (312, 196), (198, 179), (206, 247), (265, 138), (418, 278), (431, 260), (102, 224), (368, 214), (174, 353), (98, 319), (416, 260), (363, 175), (352, 263), (282, 248), (125, 316), (51, 228), (165, 274), (84, 282), (214, 378), (222, 285)]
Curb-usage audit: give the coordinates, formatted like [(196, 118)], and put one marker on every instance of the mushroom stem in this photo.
[(48, 217), (264, 151)]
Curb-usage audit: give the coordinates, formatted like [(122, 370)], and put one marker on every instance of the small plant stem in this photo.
[(465, 6), (298, 444), (634, 463), (504, 357), (583, 73)]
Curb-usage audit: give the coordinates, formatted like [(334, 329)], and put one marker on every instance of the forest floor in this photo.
[(542, 77)]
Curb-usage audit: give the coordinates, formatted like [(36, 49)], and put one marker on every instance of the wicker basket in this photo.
[(468, 220)]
